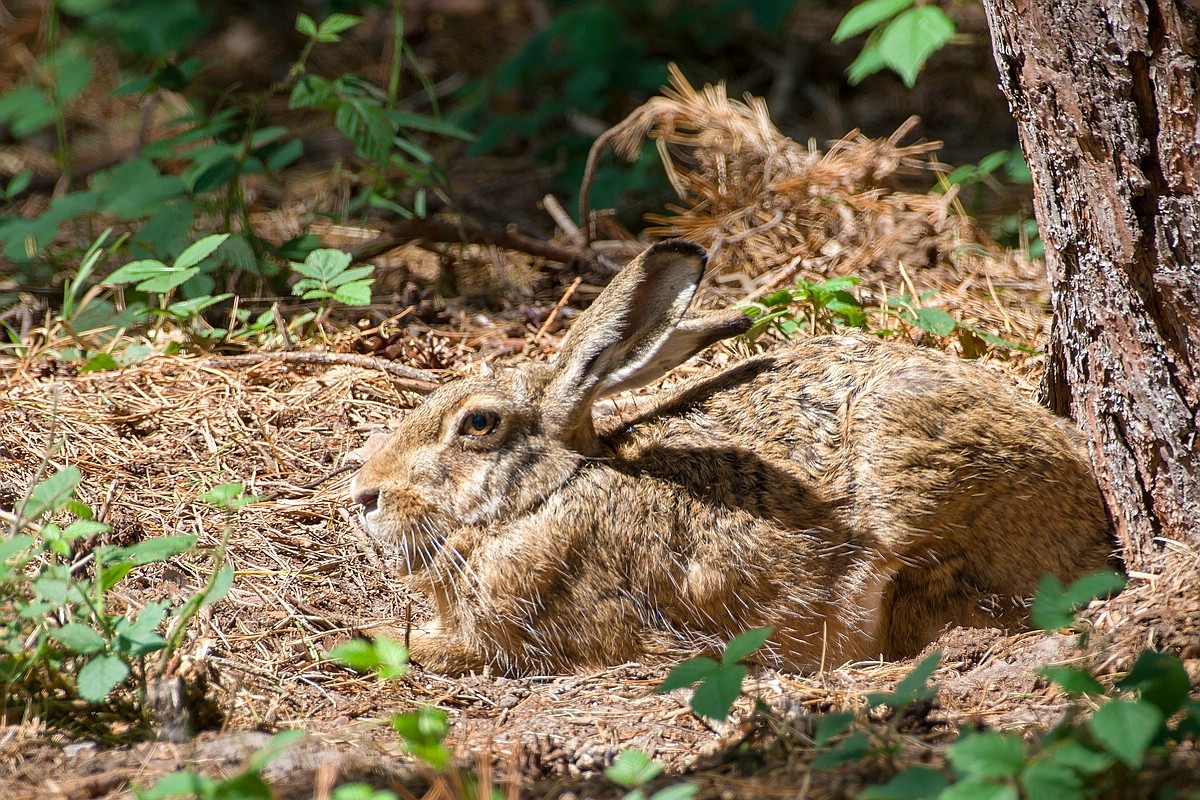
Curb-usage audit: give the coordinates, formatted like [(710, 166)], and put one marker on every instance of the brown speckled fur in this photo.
[(858, 495)]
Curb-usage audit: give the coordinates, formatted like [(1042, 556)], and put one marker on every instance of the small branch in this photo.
[(444, 231), (557, 308), (410, 379)]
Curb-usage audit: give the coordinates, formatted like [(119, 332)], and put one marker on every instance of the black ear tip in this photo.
[(682, 247)]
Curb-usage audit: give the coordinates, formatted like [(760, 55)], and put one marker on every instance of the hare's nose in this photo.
[(365, 496)]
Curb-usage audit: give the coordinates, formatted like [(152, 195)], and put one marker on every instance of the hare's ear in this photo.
[(634, 332)]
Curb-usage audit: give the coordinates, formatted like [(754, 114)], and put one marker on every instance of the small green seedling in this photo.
[(720, 683), (248, 784), (633, 769)]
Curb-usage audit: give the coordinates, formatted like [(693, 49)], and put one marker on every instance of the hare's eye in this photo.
[(479, 423)]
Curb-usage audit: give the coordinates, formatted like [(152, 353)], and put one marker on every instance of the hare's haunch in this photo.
[(856, 495)]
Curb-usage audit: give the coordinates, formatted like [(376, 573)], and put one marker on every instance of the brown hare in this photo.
[(855, 494)]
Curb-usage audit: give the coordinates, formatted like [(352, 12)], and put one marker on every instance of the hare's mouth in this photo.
[(417, 542)]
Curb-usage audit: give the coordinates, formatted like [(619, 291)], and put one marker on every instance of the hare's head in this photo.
[(484, 450)]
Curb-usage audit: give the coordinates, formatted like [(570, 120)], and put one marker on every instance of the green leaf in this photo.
[(140, 636), (357, 654), (168, 279), (1080, 758), (100, 676), (687, 673), (246, 785), (159, 548), (110, 576), (1073, 680), (357, 293), (323, 264), (51, 493), (223, 495), (1160, 679), (1048, 779), (435, 125), (680, 791), (136, 271), (218, 173), (221, 586), (913, 687), (393, 658), (16, 545), (868, 62), (199, 250), (136, 189), (190, 308), (306, 25), (746, 643), (84, 527), (912, 37), (298, 247), (335, 24), (850, 750), (914, 783), (179, 784), (1054, 607), (1126, 728), (79, 638), (423, 731), (273, 749), (830, 725), (934, 320), (101, 362), (352, 274), (987, 755), (285, 155), (865, 16), (716, 695), (633, 768), (979, 789)]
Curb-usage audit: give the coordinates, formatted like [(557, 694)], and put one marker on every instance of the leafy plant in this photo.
[(903, 35), (248, 784), (593, 62), (829, 307), (197, 170), (720, 683), (370, 117), (424, 734), (361, 791), (424, 730), (633, 769), (938, 322), (160, 280), (386, 658), (1055, 607), (329, 276), (1143, 715), (64, 633)]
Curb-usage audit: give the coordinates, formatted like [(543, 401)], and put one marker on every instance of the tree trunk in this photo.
[(1106, 94)]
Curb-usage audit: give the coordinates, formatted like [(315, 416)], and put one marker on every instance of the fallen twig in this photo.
[(410, 379), (444, 231), (557, 308)]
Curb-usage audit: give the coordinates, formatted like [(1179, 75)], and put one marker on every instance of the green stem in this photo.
[(192, 607), (397, 54), (61, 148)]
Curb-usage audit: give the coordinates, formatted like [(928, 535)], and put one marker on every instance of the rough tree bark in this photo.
[(1106, 94)]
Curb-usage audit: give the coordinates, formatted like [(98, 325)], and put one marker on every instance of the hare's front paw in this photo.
[(438, 651)]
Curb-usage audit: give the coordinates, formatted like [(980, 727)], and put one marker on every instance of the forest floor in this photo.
[(153, 436)]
